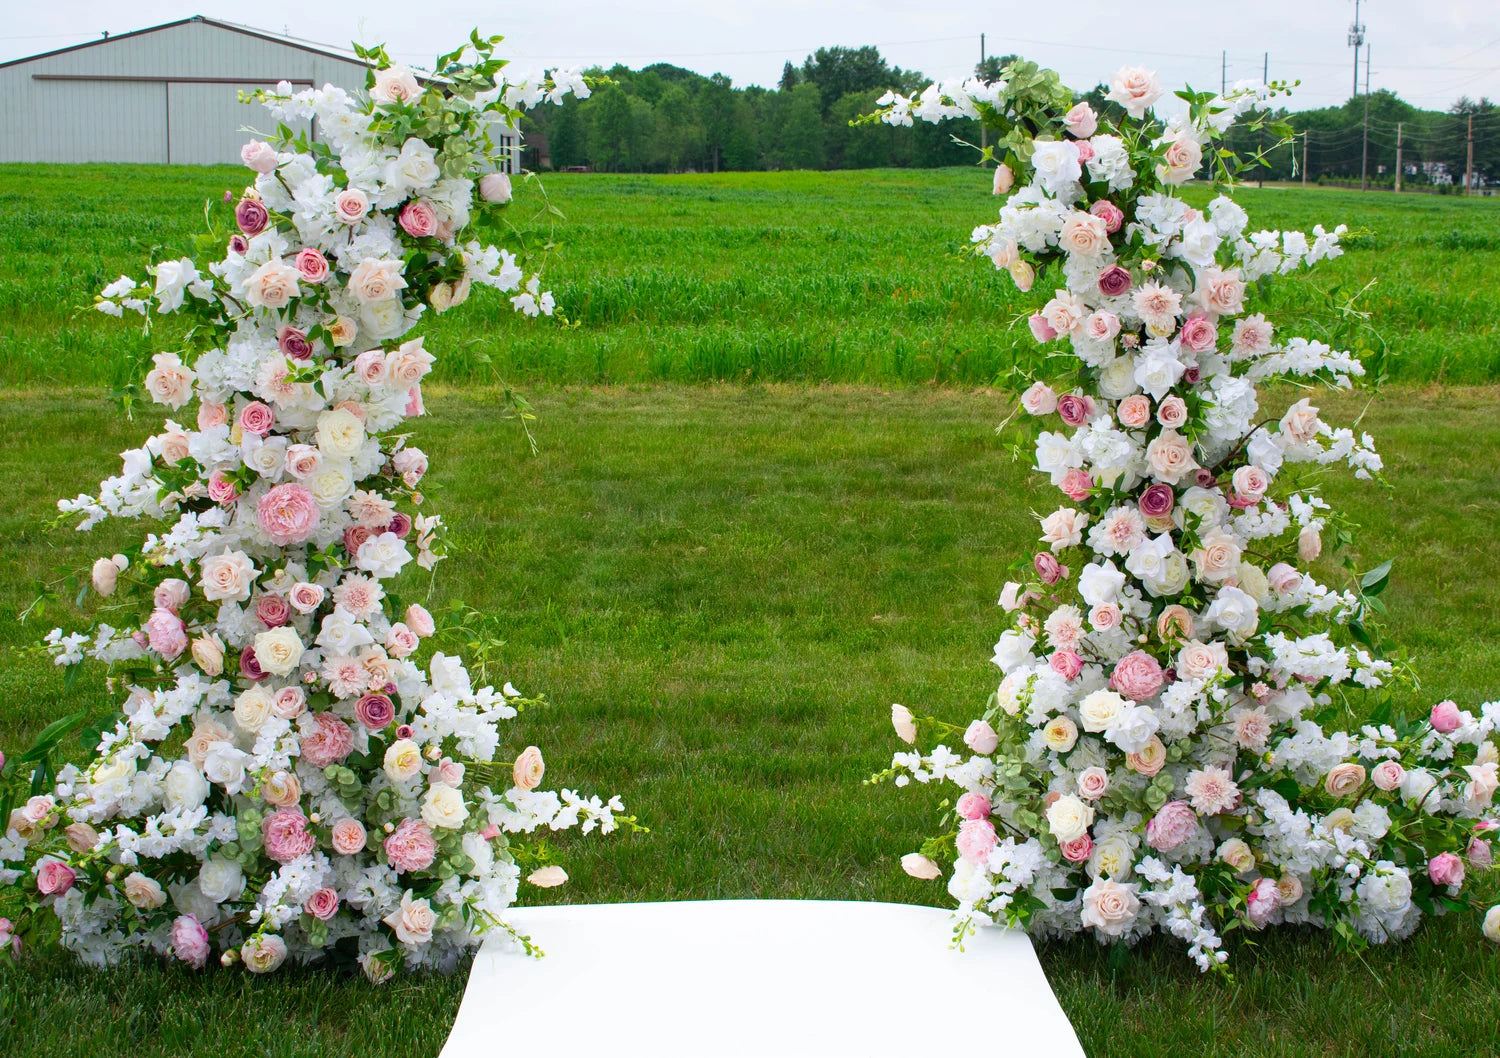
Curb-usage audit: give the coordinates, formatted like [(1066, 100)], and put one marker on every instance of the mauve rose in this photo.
[(1174, 824), (400, 524), (375, 711), (981, 738), (54, 877), (1111, 214), (239, 244), (1446, 869), (249, 666), (285, 834), (1041, 330), (1481, 856), (252, 216), (976, 839), (410, 847), (356, 535), (1192, 375), (348, 836), (1077, 483), (418, 219), (1078, 850), (257, 418), (973, 806), (323, 904), (1204, 478), (1114, 281), (1048, 568), (1445, 717), (273, 611), (1066, 664), (1073, 409), (1137, 676), (288, 514), (329, 743), (294, 343), (1199, 334), (403, 731), (1157, 501)]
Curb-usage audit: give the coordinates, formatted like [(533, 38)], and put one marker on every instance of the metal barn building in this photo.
[(165, 94)]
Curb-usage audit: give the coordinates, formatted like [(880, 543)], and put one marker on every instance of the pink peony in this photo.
[(981, 738), (375, 712), (190, 941), (418, 219), (285, 834), (348, 836), (1446, 869), (973, 806), (1261, 902), (1114, 281), (1066, 664), (1173, 825), (54, 877), (1137, 676), (288, 514), (329, 743), (1445, 717), (323, 904), (410, 847), (976, 839), (166, 633), (311, 265)]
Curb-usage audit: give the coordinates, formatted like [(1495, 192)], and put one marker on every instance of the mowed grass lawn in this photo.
[(722, 589)]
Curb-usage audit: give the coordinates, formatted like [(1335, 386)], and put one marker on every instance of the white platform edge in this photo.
[(749, 978)]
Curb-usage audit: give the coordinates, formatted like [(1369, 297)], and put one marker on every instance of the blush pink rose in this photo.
[(419, 620), (1199, 333), (1446, 869), (1039, 399), (973, 806), (54, 877), (1445, 717), (311, 265), (418, 219), (190, 941), (1078, 850), (288, 514), (1172, 412), (1137, 676), (222, 489), (1174, 824), (166, 633), (400, 641), (323, 904), (1101, 326), (1077, 483), (289, 703), (286, 836), (1112, 216), (1066, 664), (981, 738), (350, 205), (1093, 783), (411, 464), (414, 407), (257, 418), (410, 847), (1041, 330), (172, 594), (258, 155), (1134, 411), (1387, 775), (1081, 121), (976, 839), (328, 743), (1283, 578), (1085, 150), (211, 415), (348, 836), (272, 610), (306, 597)]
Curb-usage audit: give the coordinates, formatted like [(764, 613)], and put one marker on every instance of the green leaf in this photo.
[(1375, 581)]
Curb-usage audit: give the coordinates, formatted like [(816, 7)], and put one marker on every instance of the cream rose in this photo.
[(403, 760), (444, 807), (208, 654), (340, 434), (253, 707), (227, 577), (375, 280), (1109, 906), (1170, 455), (142, 892), (1099, 709), (1069, 818), (1060, 734), (278, 650), (272, 285)]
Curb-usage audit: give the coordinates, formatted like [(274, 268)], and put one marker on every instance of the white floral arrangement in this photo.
[(285, 779), (1163, 751)]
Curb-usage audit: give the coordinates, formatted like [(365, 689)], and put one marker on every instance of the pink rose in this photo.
[(257, 418), (1077, 483), (1387, 775), (1004, 180), (1445, 717), (289, 702), (348, 836), (1137, 676), (329, 743), (1081, 121), (54, 877), (1173, 825), (1085, 150), (250, 666), (172, 594), (981, 738), (1093, 783), (1073, 409), (294, 343), (976, 839), (166, 633), (1172, 412), (1261, 902), (351, 205), (1078, 850), (272, 611), (400, 641), (400, 524), (1481, 856), (375, 711), (211, 415), (1112, 216), (1134, 411), (1066, 664), (285, 834), (237, 243), (418, 219), (419, 620), (451, 773), (1283, 578), (1101, 326), (1199, 333), (411, 464), (311, 265), (1250, 483), (288, 514), (1446, 869), (410, 847), (252, 216), (973, 806), (258, 155), (1114, 281), (414, 406), (1039, 399), (355, 537), (305, 597), (323, 904), (190, 941), (1048, 568), (1157, 501), (1041, 330)]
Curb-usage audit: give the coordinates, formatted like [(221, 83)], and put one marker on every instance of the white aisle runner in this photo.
[(754, 979)]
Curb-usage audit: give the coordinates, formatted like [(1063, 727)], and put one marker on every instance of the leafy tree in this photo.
[(789, 77), (802, 145), (839, 71)]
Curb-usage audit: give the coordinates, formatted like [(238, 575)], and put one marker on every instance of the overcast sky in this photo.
[(1429, 52)]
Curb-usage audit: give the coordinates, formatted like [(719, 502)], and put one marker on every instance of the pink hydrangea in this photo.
[(288, 514), (410, 847), (286, 835), (328, 743), (1173, 825)]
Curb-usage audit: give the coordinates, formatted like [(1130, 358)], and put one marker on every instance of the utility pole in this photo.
[(1364, 160), (1469, 165), (1356, 38), (1224, 72), (1305, 133), (1260, 137), (984, 136), (1398, 156)]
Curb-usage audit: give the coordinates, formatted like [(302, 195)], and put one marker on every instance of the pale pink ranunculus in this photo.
[(1109, 906), (1138, 676), (81, 837), (1093, 783), (1066, 663), (1112, 216), (973, 805), (348, 836), (259, 155), (418, 219), (166, 633), (1134, 411), (408, 364), (1445, 717), (328, 743), (370, 367), (419, 620), (285, 835), (1309, 544), (1261, 902), (288, 514), (323, 904), (350, 205), (311, 265), (190, 941), (54, 877), (1446, 869), (1150, 760), (410, 847), (303, 461), (981, 738), (528, 769), (1387, 775), (1078, 850), (1174, 824), (976, 839), (1105, 616), (1199, 333)]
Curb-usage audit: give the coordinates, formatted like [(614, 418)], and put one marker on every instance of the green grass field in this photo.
[(723, 587)]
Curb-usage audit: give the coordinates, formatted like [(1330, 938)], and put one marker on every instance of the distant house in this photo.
[(169, 93)]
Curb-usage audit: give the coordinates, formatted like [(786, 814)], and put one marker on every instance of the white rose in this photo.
[(479, 850), (1117, 379), (221, 879), (1069, 818), (1112, 857), (495, 187), (1492, 924), (278, 650), (1099, 709), (1133, 728), (403, 760), (383, 555), (227, 577), (376, 279), (395, 84), (444, 807), (340, 434), (225, 765), (184, 787), (254, 705)]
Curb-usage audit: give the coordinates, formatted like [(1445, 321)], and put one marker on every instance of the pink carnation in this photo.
[(190, 941), (1175, 824), (976, 839), (285, 835), (329, 743), (1137, 676), (288, 514), (410, 847)]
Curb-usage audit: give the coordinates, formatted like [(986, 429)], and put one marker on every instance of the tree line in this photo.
[(663, 118)]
